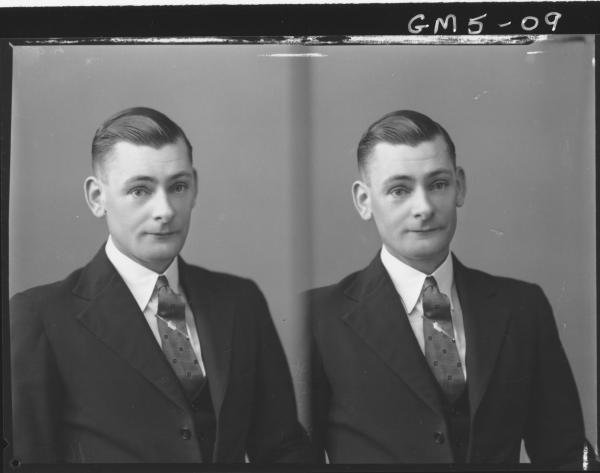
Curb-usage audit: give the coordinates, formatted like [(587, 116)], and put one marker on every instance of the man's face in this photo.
[(412, 193), (148, 195)]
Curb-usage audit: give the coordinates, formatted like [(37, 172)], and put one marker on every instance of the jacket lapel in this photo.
[(485, 320), (114, 317), (381, 321), (214, 316)]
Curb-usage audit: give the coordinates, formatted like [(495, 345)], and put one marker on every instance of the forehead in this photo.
[(127, 159), (402, 160)]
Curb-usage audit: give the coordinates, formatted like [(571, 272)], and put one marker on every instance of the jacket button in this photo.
[(439, 437), (186, 434)]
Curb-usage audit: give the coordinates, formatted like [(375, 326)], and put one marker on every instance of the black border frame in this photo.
[(302, 24)]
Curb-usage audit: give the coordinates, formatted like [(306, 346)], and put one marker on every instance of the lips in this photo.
[(162, 234), (426, 231)]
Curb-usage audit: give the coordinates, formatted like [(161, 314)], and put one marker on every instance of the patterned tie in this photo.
[(440, 346), (175, 340)]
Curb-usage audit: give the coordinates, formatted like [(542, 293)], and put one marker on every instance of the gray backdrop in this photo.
[(274, 138)]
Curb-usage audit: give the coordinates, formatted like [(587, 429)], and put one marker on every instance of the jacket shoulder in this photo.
[(46, 293), (329, 301), (323, 293), (31, 309), (503, 282), (218, 280), (524, 296)]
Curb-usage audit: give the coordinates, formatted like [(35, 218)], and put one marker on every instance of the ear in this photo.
[(94, 196), (362, 199), (461, 185), (195, 188)]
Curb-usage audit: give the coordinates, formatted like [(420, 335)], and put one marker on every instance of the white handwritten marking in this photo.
[(475, 22), (552, 18), (533, 23), (445, 23)]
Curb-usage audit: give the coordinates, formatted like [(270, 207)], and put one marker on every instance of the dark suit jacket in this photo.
[(375, 399), (91, 384)]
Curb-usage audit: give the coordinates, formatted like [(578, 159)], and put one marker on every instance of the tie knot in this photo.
[(161, 282), (435, 304), (170, 305), (427, 285)]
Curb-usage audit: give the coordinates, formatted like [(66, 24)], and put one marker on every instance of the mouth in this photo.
[(426, 231), (161, 234)]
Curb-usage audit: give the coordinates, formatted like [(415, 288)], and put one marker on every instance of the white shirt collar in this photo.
[(408, 281), (139, 279)]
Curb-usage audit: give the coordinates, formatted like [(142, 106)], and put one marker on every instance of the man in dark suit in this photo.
[(139, 356), (419, 359)]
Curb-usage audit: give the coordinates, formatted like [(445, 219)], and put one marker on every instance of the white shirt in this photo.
[(141, 282), (409, 282)]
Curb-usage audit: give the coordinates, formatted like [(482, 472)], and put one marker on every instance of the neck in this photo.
[(424, 265), (158, 266)]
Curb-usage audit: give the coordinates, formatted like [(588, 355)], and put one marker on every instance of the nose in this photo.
[(421, 204), (162, 209)]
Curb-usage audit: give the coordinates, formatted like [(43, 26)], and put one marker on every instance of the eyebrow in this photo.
[(151, 180), (136, 179), (398, 178), (440, 172), (181, 174), (410, 179)]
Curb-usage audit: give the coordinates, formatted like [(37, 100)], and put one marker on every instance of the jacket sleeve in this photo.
[(554, 432), (35, 386), (275, 433)]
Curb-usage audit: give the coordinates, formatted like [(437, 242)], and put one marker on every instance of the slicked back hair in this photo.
[(401, 127), (139, 126)]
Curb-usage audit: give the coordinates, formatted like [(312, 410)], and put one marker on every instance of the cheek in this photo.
[(449, 211), (127, 217), (183, 210), (445, 205), (389, 220)]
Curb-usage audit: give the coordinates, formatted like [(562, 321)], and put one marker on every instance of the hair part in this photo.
[(139, 126), (401, 127)]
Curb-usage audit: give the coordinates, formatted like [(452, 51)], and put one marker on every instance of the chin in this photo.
[(427, 252), (162, 254)]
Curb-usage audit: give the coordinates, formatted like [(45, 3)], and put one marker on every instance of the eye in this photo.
[(399, 191), (440, 185), (139, 192), (180, 187)]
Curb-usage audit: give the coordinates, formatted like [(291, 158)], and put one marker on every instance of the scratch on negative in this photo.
[(293, 55), (307, 40)]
